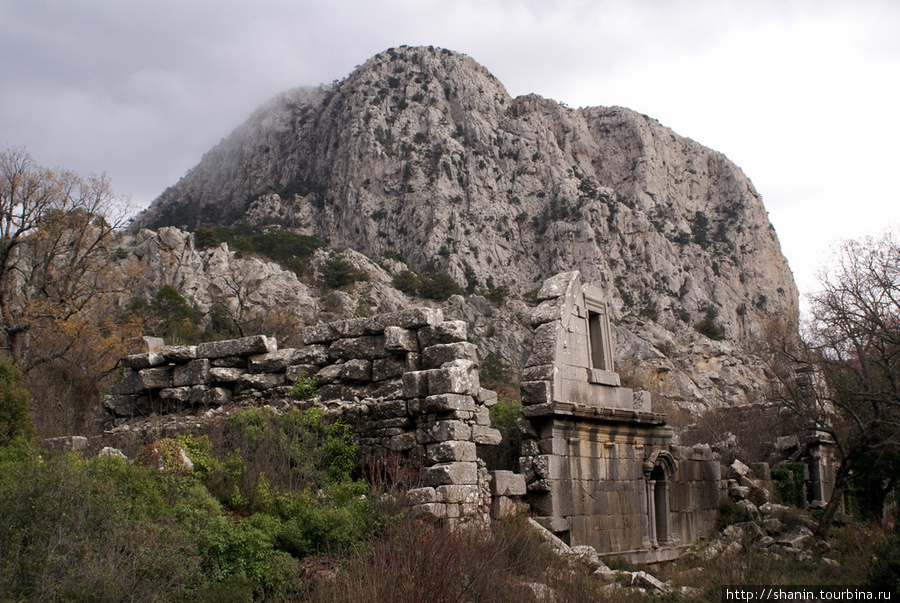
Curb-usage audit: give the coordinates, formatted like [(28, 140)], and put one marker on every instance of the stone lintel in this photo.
[(571, 409), (245, 346), (601, 377)]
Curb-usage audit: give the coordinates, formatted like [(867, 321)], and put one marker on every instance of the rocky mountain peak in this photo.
[(421, 152)]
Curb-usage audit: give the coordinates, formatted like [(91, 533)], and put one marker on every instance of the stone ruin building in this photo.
[(601, 467), (598, 467)]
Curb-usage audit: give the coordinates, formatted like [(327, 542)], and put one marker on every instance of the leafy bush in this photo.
[(15, 402), (504, 417), (885, 570), (439, 287), (708, 328), (730, 513), (407, 282), (170, 315), (101, 530), (790, 484), (338, 272), (305, 387), (289, 249)]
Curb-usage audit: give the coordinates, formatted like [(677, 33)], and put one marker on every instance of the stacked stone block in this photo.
[(408, 381)]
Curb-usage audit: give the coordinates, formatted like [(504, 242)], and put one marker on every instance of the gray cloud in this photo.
[(141, 89)]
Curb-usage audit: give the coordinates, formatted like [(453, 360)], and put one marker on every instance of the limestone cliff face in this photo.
[(676, 363), (421, 151)]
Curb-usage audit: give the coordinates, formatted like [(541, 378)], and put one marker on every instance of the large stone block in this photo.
[(388, 368), (366, 347), (195, 372), (398, 339), (328, 374), (541, 372), (413, 318), (126, 405), (487, 397), (356, 371), (447, 402), (261, 381), (536, 392), (544, 344), (292, 373), (507, 483), (429, 511), (138, 361), (547, 311), (219, 374), (245, 346), (402, 442), (451, 473), (451, 331), (458, 377), (353, 327), (178, 353), (157, 377), (322, 333), (216, 396), (503, 507), (131, 383), (486, 435), (449, 451), (419, 496), (415, 384), (459, 494), (482, 416), (442, 431), (439, 354), (387, 409), (174, 398), (229, 362), (562, 284), (274, 362)]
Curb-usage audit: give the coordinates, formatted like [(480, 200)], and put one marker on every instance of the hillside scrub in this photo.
[(15, 403), (292, 251), (232, 528)]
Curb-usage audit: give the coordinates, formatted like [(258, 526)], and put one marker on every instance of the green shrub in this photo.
[(504, 417), (102, 530), (708, 328), (15, 403), (730, 513), (245, 552), (885, 570), (439, 287), (305, 387), (407, 282), (170, 315), (338, 272), (289, 249), (790, 485)]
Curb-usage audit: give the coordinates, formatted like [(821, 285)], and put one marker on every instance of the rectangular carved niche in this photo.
[(600, 341)]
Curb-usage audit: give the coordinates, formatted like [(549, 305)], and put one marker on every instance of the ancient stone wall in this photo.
[(408, 381)]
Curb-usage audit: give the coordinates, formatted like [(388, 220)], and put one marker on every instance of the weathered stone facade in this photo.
[(408, 381), (600, 465)]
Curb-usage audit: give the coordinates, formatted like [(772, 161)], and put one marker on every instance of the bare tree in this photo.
[(844, 379), (56, 229)]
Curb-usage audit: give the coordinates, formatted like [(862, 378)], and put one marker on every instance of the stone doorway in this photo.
[(659, 469)]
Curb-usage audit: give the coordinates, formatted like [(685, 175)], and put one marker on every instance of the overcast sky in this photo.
[(802, 95)]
